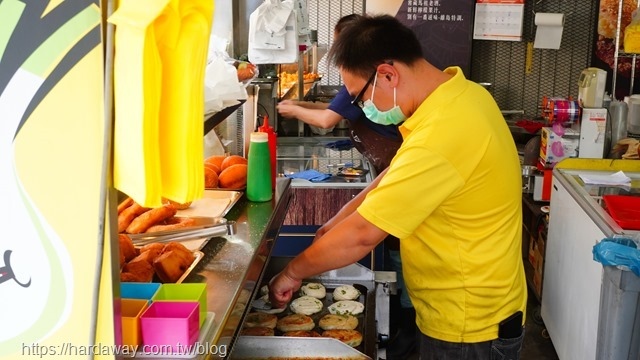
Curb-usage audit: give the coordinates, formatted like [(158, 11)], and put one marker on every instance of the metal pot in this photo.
[(528, 178), (529, 170)]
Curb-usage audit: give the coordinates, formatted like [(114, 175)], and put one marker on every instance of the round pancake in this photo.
[(306, 305), (352, 338), (315, 290), (257, 331), (344, 307), (302, 333), (345, 292), (257, 319), (295, 322), (263, 305), (338, 322)]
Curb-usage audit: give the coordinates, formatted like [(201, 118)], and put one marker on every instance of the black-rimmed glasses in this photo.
[(358, 99)]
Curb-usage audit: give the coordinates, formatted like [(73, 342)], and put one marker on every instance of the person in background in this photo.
[(452, 195), (378, 144)]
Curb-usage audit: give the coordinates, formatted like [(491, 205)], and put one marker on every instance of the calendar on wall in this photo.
[(498, 20)]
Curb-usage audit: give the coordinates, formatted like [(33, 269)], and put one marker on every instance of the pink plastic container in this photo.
[(173, 324), (184, 292)]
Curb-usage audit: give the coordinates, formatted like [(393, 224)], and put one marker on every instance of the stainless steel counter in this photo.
[(234, 264), (297, 154)]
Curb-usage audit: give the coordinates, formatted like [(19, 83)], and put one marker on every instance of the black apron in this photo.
[(378, 150)]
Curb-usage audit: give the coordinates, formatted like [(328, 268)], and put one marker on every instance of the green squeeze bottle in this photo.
[(259, 168)]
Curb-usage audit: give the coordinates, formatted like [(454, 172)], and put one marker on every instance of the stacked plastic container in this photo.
[(163, 317)]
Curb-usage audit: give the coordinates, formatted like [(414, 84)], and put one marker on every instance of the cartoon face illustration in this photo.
[(6, 272)]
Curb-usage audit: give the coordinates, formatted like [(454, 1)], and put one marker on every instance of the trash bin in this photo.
[(619, 322)]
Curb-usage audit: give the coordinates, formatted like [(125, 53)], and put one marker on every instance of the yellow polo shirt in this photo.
[(453, 196)]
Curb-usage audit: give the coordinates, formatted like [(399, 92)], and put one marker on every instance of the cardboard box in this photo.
[(537, 283), (538, 262), (554, 147)]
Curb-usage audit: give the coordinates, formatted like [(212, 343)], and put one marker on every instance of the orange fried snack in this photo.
[(154, 247), (139, 269), (150, 254), (170, 266), (127, 215), (211, 178), (147, 219), (125, 204), (173, 223), (182, 251), (126, 247)]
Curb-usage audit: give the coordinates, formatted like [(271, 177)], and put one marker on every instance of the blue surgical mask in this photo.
[(393, 116)]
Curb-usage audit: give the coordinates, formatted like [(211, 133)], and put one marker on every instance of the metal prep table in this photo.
[(233, 264)]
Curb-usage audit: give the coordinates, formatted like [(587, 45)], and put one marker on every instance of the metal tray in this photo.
[(213, 204), (198, 256), (326, 302), (356, 275), (264, 347), (169, 235)]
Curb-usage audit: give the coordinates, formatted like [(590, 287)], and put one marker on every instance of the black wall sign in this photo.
[(445, 30)]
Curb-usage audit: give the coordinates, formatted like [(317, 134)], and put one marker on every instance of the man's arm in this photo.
[(348, 242), (316, 115)]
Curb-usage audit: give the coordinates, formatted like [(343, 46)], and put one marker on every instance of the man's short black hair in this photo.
[(345, 21), (369, 41)]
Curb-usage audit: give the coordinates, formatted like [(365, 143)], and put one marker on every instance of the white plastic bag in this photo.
[(221, 86), (271, 42)]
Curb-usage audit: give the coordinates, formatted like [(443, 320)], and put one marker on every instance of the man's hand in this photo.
[(288, 108), (281, 289)]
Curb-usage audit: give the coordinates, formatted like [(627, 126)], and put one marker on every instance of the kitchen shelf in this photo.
[(619, 53)]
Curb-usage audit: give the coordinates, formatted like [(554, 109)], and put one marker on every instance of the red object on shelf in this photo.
[(625, 210), (530, 126), (265, 127)]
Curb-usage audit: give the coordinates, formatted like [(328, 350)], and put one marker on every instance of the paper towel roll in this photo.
[(549, 30)]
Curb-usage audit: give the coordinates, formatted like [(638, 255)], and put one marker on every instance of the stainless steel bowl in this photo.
[(529, 170)]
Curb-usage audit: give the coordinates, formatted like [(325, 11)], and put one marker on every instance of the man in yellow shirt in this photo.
[(452, 195)]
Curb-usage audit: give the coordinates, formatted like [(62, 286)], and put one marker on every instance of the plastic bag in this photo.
[(621, 252), (223, 85), (273, 20)]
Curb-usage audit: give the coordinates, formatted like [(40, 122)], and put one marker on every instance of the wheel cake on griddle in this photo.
[(345, 292), (315, 290), (257, 319), (352, 338), (306, 305), (338, 322), (302, 333), (295, 322), (344, 307), (257, 331)]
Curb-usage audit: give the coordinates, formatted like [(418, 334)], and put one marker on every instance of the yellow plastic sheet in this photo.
[(160, 58), (182, 106)]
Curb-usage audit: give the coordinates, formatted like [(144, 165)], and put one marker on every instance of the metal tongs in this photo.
[(219, 228)]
